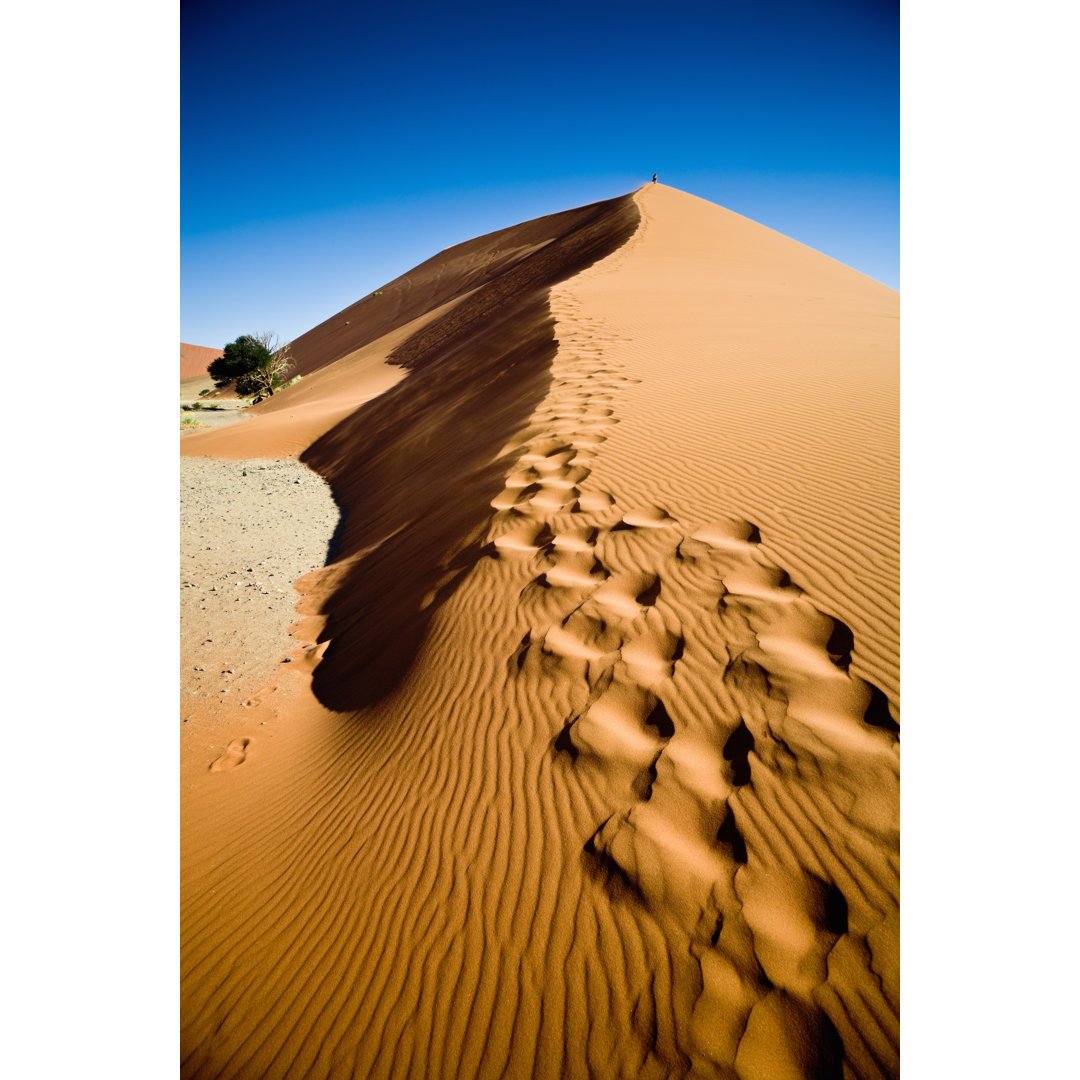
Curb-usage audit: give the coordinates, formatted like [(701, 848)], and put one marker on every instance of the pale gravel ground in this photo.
[(248, 530), (213, 418)]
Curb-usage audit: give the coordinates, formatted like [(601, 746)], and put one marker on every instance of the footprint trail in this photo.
[(720, 728)]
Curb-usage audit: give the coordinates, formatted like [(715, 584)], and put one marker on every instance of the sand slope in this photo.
[(595, 770), (195, 359)]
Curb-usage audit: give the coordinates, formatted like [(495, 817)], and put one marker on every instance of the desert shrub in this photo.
[(254, 364)]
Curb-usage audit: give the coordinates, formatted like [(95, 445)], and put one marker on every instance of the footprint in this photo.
[(675, 873), (877, 712), (545, 448), (737, 750), (235, 754), (597, 421), (786, 1035), (628, 594), (563, 743), (565, 477), (558, 488), (796, 639), (729, 532), (788, 912), (553, 462), (574, 569), (513, 496), (522, 477), (592, 502), (651, 656), (659, 719), (614, 729), (728, 834), (587, 440), (581, 637), (761, 581), (521, 653), (827, 708), (648, 516), (553, 499), (691, 785), (528, 537), (840, 645), (579, 538)]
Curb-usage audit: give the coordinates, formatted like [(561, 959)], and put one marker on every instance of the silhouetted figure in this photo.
[(654, 178)]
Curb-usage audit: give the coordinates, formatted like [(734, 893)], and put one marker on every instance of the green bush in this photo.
[(256, 365)]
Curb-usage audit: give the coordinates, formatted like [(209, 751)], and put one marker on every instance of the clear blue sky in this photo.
[(328, 147)]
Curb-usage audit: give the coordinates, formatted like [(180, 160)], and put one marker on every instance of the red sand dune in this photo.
[(195, 359), (595, 771)]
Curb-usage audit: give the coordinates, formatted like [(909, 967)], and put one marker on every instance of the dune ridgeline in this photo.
[(591, 768)]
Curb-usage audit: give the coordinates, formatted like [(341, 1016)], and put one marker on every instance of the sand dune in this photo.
[(195, 359), (595, 770)]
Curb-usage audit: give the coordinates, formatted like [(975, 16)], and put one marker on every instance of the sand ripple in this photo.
[(611, 783)]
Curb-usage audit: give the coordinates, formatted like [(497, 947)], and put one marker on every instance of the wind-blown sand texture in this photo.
[(594, 770)]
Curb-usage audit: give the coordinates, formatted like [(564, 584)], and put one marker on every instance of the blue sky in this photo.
[(328, 147)]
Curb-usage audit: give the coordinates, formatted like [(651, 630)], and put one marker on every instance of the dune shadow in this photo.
[(416, 469), (417, 472)]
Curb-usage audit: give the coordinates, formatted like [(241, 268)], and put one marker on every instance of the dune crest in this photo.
[(595, 770)]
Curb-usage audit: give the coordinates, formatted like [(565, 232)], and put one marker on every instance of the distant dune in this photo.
[(594, 770), (195, 359)]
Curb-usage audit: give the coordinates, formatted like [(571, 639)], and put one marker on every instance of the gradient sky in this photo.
[(328, 147)]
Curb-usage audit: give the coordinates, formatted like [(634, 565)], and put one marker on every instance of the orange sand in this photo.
[(195, 359), (595, 771)]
